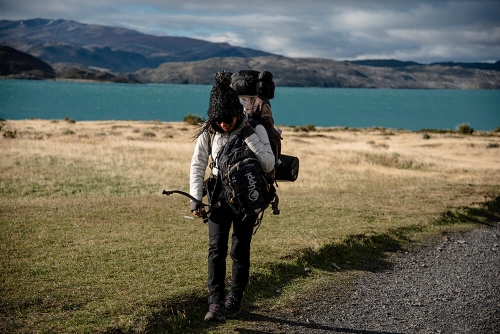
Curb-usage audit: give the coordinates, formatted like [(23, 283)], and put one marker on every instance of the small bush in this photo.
[(464, 129), (149, 134), (492, 145), (68, 132), (497, 129), (69, 120), (310, 127), (426, 136), (193, 119), (10, 134), (307, 128)]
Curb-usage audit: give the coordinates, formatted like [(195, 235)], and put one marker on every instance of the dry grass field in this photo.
[(89, 244)]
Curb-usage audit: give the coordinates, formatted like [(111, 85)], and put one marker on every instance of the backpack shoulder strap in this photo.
[(211, 137)]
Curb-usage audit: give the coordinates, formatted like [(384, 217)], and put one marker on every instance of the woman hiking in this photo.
[(226, 119)]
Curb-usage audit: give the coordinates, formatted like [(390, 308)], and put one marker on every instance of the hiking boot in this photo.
[(215, 313), (232, 305)]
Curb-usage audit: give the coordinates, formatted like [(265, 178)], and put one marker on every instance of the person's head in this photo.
[(225, 112)]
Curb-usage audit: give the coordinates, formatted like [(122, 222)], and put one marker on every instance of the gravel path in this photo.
[(449, 287)]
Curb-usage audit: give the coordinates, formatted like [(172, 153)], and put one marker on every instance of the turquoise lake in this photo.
[(389, 108)]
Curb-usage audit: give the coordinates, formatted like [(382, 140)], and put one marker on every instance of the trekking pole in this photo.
[(203, 212)]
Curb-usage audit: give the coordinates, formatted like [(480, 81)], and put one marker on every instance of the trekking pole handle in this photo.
[(203, 212), (170, 192), (204, 215)]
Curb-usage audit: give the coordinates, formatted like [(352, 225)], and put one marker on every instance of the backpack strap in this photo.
[(211, 137)]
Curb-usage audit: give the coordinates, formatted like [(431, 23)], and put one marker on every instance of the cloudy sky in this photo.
[(422, 31)]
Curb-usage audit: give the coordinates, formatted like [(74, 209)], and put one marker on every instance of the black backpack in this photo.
[(244, 186), (250, 82), (259, 110)]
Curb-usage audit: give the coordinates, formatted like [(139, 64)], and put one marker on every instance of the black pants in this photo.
[(219, 226)]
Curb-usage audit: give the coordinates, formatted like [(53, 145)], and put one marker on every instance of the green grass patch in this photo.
[(134, 263)]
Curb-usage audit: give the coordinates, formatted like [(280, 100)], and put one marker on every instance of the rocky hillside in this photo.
[(78, 72), (316, 72), (16, 64)]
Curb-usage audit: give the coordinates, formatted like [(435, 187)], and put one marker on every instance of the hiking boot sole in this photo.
[(232, 314), (210, 317)]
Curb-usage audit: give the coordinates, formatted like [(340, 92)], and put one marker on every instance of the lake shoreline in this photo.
[(463, 129)]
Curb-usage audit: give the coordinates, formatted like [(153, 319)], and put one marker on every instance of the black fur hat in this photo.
[(224, 100)]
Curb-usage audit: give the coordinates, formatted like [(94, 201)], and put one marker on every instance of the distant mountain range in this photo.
[(397, 64), (111, 48), (83, 51)]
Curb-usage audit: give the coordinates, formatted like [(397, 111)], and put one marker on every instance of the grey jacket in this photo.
[(258, 142)]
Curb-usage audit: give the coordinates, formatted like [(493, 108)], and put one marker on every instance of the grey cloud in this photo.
[(422, 31)]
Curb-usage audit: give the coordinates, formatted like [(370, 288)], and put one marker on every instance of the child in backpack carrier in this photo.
[(258, 109), (226, 119)]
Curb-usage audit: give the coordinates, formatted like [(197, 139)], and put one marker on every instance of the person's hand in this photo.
[(247, 130), (196, 209), (198, 212)]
